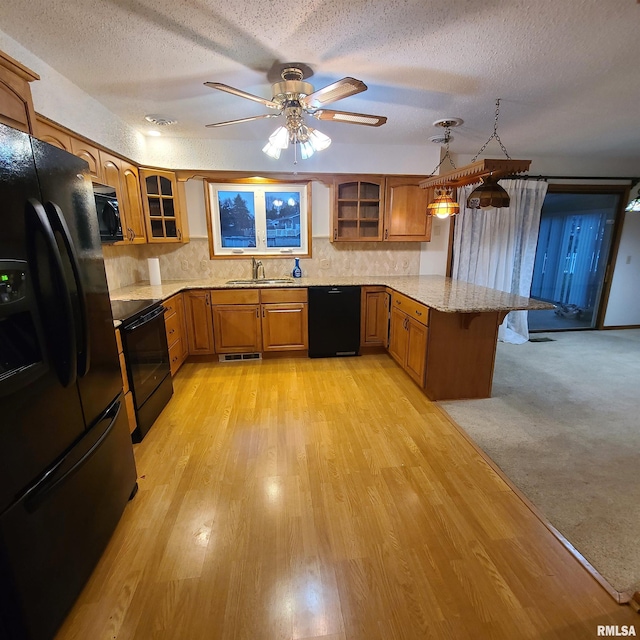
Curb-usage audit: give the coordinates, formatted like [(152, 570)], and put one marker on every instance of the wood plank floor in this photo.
[(326, 498)]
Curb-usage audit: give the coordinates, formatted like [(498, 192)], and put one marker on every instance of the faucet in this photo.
[(256, 268)]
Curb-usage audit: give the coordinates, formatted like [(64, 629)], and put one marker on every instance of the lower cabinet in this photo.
[(408, 336), (374, 317), (176, 332), (284, 319), (259, 320), (199, 322)]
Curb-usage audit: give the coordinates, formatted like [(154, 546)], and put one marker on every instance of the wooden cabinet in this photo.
[(16, 104), (405, 212), (128, 395), (161, 201), (408, 335), (199, 322), (123, 177), (358, 209), (374, 317), (51, 134), (176, 332), (374, 208), (284, 319), (90, 155), (236, 320)]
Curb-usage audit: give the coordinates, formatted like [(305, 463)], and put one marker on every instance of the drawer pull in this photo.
[(418, 313)]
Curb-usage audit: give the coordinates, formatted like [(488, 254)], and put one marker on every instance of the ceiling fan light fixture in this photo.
[(280, 138), (272, 150), (319, 140), (488, 195), (306, 150)]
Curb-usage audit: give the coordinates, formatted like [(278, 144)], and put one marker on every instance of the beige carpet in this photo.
[(563, 423)]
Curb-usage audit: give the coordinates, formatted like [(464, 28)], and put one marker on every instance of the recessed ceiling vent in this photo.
[(161, 121)]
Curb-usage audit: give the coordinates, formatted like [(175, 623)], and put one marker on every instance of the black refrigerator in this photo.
[(66, 460)]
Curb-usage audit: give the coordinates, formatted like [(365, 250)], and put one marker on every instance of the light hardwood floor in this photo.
[(326, 498)]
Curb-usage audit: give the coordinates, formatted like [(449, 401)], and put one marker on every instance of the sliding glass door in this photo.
[(576, 233)]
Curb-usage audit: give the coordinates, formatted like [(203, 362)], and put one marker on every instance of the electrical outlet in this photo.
[(185, 265), (405, 264), (325, 263), (204, 265)]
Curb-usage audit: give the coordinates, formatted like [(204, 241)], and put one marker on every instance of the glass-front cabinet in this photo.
[(161, 206), (358, 209)]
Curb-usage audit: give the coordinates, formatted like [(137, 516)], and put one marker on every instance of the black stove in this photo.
[(127, 309)]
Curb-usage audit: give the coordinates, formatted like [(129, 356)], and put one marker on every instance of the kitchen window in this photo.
[(259, 220)]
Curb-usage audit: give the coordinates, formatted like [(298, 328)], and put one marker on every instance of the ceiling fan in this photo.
[(293, 98)]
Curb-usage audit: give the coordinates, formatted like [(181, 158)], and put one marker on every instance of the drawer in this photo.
[(171, 305), (235, 296), (283, 295), (175, 356), (174, 330), (412, 308)]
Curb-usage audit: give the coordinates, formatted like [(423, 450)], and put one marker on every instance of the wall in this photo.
[(65, 103), (623, 307), (127, 264)]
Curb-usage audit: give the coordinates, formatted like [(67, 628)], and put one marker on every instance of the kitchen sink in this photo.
[(262, 281)]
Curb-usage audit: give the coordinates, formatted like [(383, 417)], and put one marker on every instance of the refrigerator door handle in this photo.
[(72, 461), (61, 338), (57, 221)]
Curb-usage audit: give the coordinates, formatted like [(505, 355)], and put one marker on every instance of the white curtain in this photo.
[(497, 247)]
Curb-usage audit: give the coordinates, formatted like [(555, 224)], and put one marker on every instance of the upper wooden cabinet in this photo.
[(405, 212), (374, 208), (123, 177), (58, 138), (357, 209), (162, 203), (16, 105), (91, 155)]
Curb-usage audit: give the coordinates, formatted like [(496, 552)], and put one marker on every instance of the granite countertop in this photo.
[(437, 292)]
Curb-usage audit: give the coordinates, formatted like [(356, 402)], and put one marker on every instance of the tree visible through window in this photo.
[(270, 219)]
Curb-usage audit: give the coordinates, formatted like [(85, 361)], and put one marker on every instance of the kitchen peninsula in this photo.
[(442, 331)]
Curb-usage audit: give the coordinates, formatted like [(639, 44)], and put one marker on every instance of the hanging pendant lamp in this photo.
[(443, 204), (490, 195)]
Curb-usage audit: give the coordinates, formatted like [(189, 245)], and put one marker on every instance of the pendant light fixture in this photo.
[(443, 204), (490, 195)]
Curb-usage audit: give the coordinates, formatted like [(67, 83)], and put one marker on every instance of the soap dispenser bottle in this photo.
[(297, 271)]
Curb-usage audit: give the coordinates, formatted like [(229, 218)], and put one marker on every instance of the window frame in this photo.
[(260, 188)]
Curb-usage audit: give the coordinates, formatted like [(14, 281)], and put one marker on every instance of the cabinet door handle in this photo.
[(180, 235), (335, 234), (386, 234), (263, 312)]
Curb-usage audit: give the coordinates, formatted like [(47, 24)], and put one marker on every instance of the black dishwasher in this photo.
[(334, 321)]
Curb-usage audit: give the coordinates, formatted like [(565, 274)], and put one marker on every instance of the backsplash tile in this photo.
[(126, 265)]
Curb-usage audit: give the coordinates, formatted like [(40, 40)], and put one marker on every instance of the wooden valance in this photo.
[(476, 171)]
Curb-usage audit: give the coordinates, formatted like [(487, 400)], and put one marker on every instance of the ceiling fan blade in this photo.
[(332, 92), (224, 124), (350, 118), (242, 94)]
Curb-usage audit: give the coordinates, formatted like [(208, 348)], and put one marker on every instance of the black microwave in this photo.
[(108, 213)]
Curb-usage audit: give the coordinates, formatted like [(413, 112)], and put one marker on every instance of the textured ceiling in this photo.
[(567, 72)]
